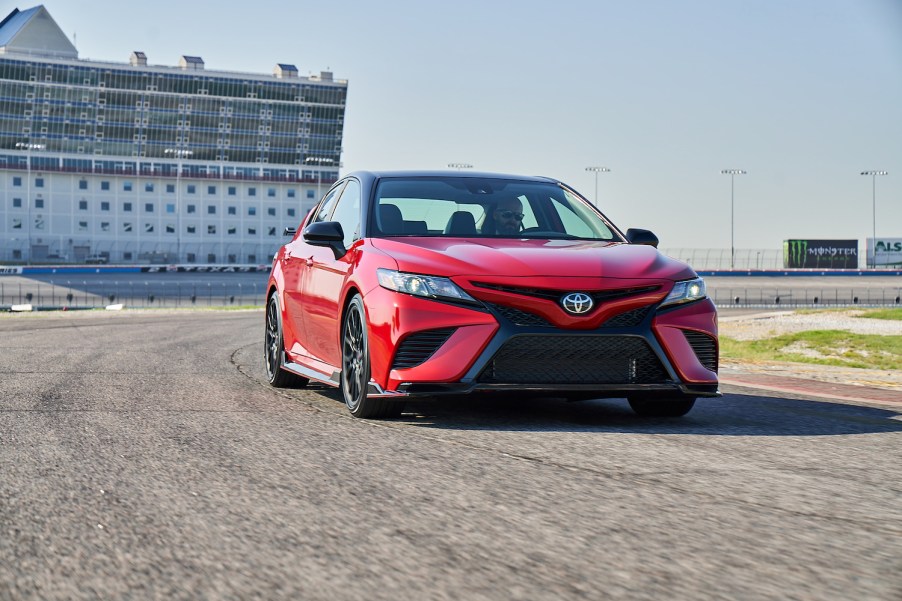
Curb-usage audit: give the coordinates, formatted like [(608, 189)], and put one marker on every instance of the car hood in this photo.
[(531, 258)]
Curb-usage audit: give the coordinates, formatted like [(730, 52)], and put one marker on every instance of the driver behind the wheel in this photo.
[(508, 216)]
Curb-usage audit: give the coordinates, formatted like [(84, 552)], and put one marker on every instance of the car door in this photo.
[(295, 265), (326, 276)]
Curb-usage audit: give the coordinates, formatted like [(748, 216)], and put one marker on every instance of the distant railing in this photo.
[(72, 294)]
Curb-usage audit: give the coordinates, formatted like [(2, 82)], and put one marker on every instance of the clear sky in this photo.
[(802, 94)]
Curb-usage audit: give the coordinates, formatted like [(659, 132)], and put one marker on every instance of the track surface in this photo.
[(142, 456)]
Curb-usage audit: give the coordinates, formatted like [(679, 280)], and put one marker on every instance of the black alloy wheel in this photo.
[(662, 405), (355, 367), (274, 350)]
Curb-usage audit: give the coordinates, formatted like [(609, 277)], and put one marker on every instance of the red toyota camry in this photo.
[(417, 284)]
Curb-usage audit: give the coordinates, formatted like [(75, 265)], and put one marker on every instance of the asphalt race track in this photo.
[(142, 457)]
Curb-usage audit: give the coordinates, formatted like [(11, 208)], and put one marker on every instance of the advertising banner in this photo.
[(889, 252), (820, 254)]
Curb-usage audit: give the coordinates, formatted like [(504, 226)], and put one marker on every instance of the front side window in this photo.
[(325, 207), (347, 212)]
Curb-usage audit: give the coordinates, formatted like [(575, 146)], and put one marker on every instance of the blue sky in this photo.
[(802, 94)]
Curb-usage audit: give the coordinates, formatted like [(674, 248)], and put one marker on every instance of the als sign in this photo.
[(889, 252), (820, 254)]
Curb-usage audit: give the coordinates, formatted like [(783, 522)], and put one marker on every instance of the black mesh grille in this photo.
[(627, 319), (705, 348), (518, 317), (416, 348), (574, 359)]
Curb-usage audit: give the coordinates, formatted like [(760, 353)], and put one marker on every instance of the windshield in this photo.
[(484, 207)]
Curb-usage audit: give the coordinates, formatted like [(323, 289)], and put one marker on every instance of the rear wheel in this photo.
[(274, 350), (662, 405), (355, 367)]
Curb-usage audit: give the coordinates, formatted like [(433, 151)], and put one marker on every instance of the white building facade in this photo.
[(152, 164)]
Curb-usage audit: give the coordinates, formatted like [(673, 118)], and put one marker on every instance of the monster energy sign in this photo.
[(888, 252), (820, 254)]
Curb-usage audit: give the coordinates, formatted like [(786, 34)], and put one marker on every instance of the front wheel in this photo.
[(355, 367), (662, 406)]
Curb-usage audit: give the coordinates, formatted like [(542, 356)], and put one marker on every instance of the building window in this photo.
[(104, 185), (126, 227), (192, 189), (232, 231), (211, 189), (251, 191), (148, 207), (211, 209), (17, 203), (127, 256), (17, 181), (127, 186), (311, 194), (272, 231), (271, 192), (126, 207), (252, 211), (82, 184), (291, 193), (148, 187), (39, 182), (170, 188), (211, 229), (252, 258), (170, 229), (39, 203), (291, 211), (82, 226), (17, 224), (104, 226), (232, 191), (271, 211), (105, 205), (148, 228), (252, 231), (211, 258), (82, 205), (191, 208), (192, 258), (233, 210), (191, 229), (170, 208)]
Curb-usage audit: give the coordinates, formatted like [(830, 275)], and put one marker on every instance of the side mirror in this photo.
[(328, 234), (637, 236)]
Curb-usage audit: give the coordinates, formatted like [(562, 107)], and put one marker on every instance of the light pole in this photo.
[(178, 154), (597, 170), (319, 162), (28, 147), (460, 166), (874, 175), (732, 173)]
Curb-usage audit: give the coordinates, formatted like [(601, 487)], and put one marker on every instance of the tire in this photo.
[(662, 406), (274, 350), (355, 367)]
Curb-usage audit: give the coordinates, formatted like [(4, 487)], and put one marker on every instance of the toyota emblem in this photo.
[(577, 303)]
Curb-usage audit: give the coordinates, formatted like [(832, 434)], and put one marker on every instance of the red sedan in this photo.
[(415, 284)]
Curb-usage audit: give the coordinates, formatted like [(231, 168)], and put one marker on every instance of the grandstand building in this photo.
[(140, 163)]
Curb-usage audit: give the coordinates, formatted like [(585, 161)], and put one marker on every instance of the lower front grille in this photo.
[(705, 348), (574, 359), (418, 347)]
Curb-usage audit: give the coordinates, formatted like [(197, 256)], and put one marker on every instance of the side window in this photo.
[(347, 212), (325, 207)]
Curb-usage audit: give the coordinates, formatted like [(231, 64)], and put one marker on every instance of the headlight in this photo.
[(422, 285), (685, 291)]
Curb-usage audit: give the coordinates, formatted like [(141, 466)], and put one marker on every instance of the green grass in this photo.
[(893, 314), (834, 347)]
